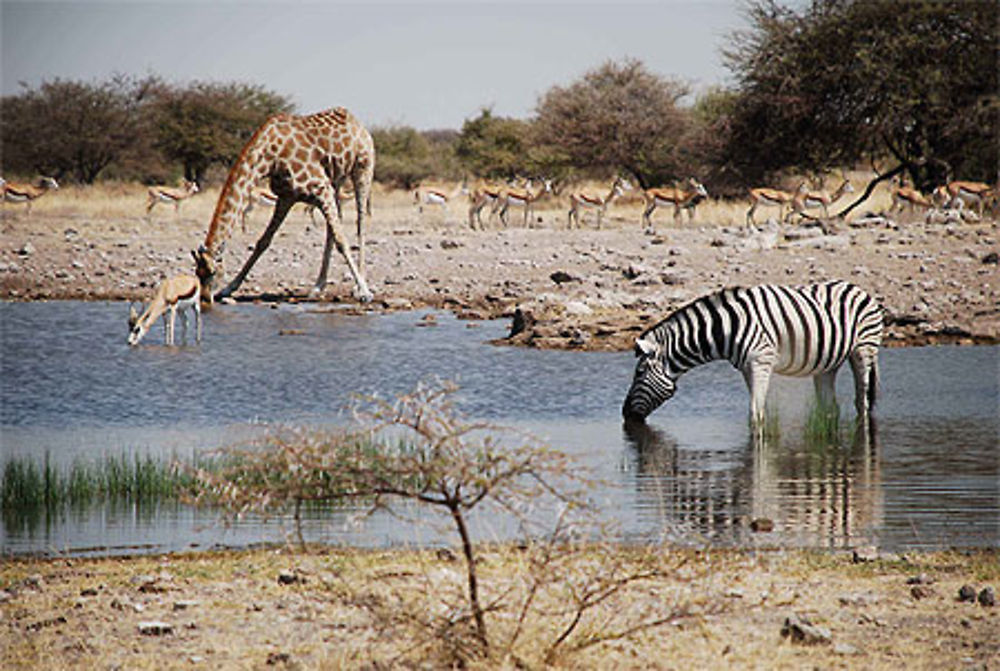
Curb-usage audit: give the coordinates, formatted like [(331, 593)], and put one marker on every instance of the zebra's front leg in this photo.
[(757, 374)]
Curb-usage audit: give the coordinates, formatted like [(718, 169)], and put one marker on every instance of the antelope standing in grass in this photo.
[(484, 194), (166, 194), (806, 199), (904, 197), (17, 192), (765, 197), (959, 193), (175, 294), (524, 198), (681, 198), (434, 195), (583, 201)]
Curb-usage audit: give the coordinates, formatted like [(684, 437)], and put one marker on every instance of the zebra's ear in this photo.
[(644, 348)]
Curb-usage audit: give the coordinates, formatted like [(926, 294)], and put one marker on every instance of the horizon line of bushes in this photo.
[(811, 94)]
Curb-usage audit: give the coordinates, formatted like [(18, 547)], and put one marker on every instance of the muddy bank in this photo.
[(584, 289)]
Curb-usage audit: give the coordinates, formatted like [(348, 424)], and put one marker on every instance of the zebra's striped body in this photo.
[(801, 331)]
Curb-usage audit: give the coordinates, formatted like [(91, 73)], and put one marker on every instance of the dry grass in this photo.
[(115, 200), (355, 607)]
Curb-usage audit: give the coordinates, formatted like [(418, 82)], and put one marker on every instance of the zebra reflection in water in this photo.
[(790, 330), (831, 497)]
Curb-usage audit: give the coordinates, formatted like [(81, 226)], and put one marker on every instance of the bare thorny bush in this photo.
[(571, 590)]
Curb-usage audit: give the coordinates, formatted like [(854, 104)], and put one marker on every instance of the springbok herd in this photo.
[(946, 201)]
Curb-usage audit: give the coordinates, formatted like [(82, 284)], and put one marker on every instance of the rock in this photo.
[(803, 233), (562, 277), (859, 600), (88, 591), (522, 321), (184, 605), (286, 577), (5, 596), (845, 649), (800, 630), (864, 554), (761, 525), (922, 579), (155, 628), (278, 658), (450, 244), (27, 249), (992, 257), (921, 592), (445, 554), (577, 308), (967, 593), (987, 597), (397, 304), (633, 271)]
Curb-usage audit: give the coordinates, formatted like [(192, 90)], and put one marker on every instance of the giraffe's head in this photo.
[(206, 269)]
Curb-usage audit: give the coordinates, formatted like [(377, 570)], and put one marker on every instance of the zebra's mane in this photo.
[(660, 328)]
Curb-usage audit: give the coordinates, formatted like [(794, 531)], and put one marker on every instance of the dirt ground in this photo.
[(583, 288), (370, 609)]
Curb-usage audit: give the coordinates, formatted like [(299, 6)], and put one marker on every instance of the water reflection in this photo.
[(816, 491), (70, 387)]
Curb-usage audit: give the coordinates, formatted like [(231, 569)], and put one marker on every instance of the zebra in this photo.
[(789, 330)]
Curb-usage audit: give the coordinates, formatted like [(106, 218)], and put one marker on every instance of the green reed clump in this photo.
[(823, 424), (28, 484)]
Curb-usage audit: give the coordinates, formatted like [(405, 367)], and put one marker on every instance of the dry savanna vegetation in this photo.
[(331, 608)]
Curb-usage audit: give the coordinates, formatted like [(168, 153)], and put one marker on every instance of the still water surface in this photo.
[(71, 387)]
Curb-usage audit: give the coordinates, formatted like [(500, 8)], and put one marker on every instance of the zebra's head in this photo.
[(652, 384)]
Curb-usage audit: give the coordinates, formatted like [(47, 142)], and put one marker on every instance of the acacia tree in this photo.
[(618, 116), (848, 80), (407, 156), (210, 122), (74, 128), (496, 147)]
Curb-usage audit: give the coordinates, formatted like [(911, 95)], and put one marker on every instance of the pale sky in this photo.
[(411, 63)]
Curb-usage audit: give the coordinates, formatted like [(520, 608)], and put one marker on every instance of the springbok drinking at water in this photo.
[(175, 294)]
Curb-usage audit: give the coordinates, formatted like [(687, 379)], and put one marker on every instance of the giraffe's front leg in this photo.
[(335, 239), (281, 209)]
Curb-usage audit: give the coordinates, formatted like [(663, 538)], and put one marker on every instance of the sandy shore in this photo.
[(367, 609), (585, 288)]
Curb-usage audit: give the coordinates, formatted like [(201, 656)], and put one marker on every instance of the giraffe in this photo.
[(305, 159)]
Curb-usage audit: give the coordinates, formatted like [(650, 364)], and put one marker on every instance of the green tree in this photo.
[(404, 156), (848, 80), (618, 116), (210, 122), (496, 147), (73, 128)]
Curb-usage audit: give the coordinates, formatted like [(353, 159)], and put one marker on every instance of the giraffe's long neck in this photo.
[(251, 166)]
